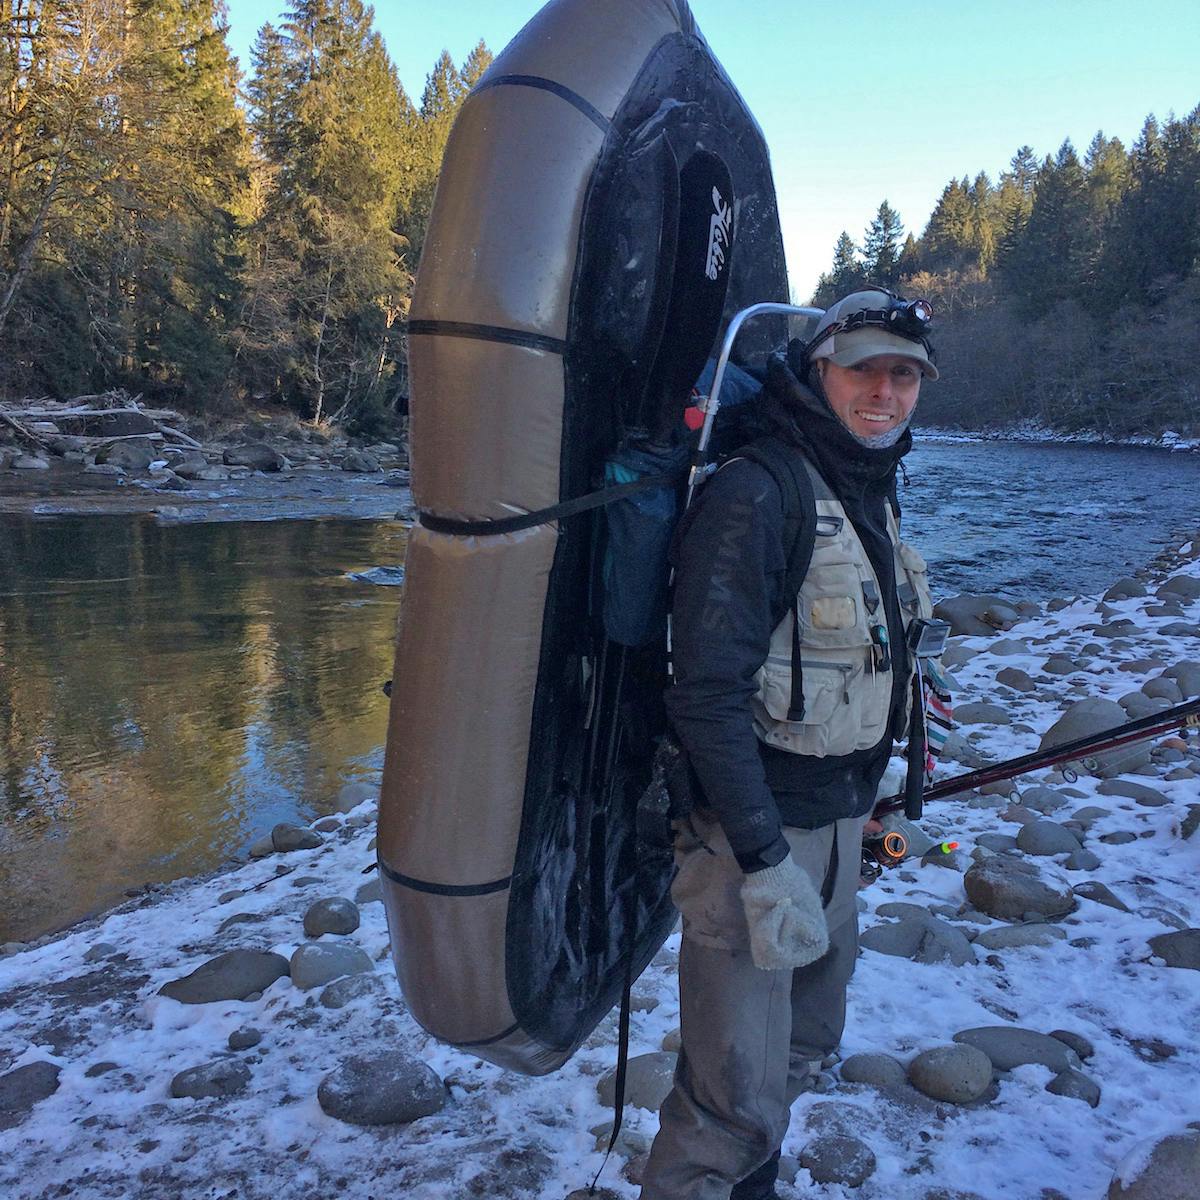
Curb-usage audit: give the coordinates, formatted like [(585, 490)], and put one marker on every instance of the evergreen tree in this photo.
[(477, 62), (845, 276), (881, 247), (947, 242), (1014, 200)]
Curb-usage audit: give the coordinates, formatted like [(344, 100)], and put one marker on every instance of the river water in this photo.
[(169, 692)]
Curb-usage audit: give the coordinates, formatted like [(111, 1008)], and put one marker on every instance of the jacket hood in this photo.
[(798, 412)]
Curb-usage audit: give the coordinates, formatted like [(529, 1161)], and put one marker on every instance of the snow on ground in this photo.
[(1034, 431), (88, 1003)]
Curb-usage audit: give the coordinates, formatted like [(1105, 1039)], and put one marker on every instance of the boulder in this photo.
[(387, 1089), (1015, 678), (189, 464), (1042, 799), (1178, 949), (1162, 688), (1164, 1169), (1010, 937), (136, 454), (1008, 1046), (958, 1074), (225, 1077), (22, 1088), (925, 940), (966, 614), (1125, 589), (1187, 675), (980, 712), (1137, 705), (1045, 838), (648, 1079), (1186, 587), (1147, 797), (360, 462), (838, 1159), (1076, 1085), (285, 837), (1059, 664), (320, 962), (256, 455), (230, 976), (1092, 716), (1008, 888), (335, 914), (877, 1070)]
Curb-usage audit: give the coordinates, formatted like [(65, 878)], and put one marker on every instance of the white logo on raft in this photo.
[(718, 235)]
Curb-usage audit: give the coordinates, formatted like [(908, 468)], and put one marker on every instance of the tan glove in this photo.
[(787, 922)]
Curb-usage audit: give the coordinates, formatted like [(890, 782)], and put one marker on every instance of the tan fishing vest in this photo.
[(847, 698)]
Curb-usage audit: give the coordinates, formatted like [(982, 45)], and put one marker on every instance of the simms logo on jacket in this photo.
[(718, 235)]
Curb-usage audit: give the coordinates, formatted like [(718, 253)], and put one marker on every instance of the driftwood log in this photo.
[(19, 416)]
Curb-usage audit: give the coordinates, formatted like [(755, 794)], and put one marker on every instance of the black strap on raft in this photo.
[(799, 514), (622, 1070), (543, 516), (914, 783)]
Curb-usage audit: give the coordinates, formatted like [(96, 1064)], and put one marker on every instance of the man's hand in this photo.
[(787, 922)]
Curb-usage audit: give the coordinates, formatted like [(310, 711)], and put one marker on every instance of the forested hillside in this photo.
[(172, 226), (1067, 293), (212, 234)]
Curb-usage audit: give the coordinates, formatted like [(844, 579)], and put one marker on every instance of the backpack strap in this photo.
[(787, 467)]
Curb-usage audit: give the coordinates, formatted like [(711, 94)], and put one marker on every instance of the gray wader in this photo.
[(752, 1039)]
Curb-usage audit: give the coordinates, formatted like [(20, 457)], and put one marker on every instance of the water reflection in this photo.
[(167, 694)]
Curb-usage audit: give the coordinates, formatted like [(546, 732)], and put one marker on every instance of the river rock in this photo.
[(245, 1038), (1166, 1169), (1187, 675), (1178, 949), (957, 655), (224, 1077), (1162, 688), (925, 940), (1015, 678), (360, 462), (996, 842), (838, 1159), (1045, 838), (370, 892), (22, 1088), (965, 614), (1187, 827), (1008, 888), (319, 962), (1147, 797), (1125, 589), (135, 454), (1076, 1085), (958, 1074), (1009, 1046), (387, 1089), (1082, 1047), (1121, 837), (980, 712), (1092, 716), (1059, 664), (350, 987), (230, 976), (1008, 647), (648, 1079), (189, 464), (1138, 705), (333, 915), (352, 794), (1089, 814), (1042, 799), (259, 456), (285, 837), (1010, 937), (1186, 587), (878, 1070), (1081, 860), (958, 749), (30, 462)]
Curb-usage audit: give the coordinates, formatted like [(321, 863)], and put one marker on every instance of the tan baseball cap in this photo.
[(847, 347)]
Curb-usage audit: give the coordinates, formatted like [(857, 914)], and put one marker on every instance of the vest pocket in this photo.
[(826, 692)]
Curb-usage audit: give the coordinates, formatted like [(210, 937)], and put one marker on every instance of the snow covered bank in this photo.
[(99, 1096), (1034, 431)]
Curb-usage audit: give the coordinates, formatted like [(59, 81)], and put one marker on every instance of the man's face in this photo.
[(873, 396)]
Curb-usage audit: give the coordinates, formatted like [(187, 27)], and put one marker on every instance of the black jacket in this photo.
[(730, 565)]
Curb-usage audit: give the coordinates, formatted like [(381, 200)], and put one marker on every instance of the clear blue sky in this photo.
[(861, 102)]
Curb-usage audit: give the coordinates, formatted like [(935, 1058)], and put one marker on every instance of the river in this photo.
[(170, 691)]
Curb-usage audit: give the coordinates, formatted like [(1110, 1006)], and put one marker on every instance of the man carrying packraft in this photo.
[(792, 682)]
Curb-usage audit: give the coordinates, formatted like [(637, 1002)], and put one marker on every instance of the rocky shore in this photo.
[(1024, 1025), (113, 454)]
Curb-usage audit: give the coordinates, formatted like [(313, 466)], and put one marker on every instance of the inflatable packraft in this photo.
[(605, 204)]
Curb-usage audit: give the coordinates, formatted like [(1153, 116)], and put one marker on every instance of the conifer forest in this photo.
[(213, 237)]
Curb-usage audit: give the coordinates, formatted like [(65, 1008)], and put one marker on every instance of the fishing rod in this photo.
[(1182, 716)]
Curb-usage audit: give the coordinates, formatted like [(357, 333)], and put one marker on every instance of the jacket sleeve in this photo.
[(728, 581)]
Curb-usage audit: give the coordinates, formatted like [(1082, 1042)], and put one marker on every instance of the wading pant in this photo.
[(752, 1039)]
